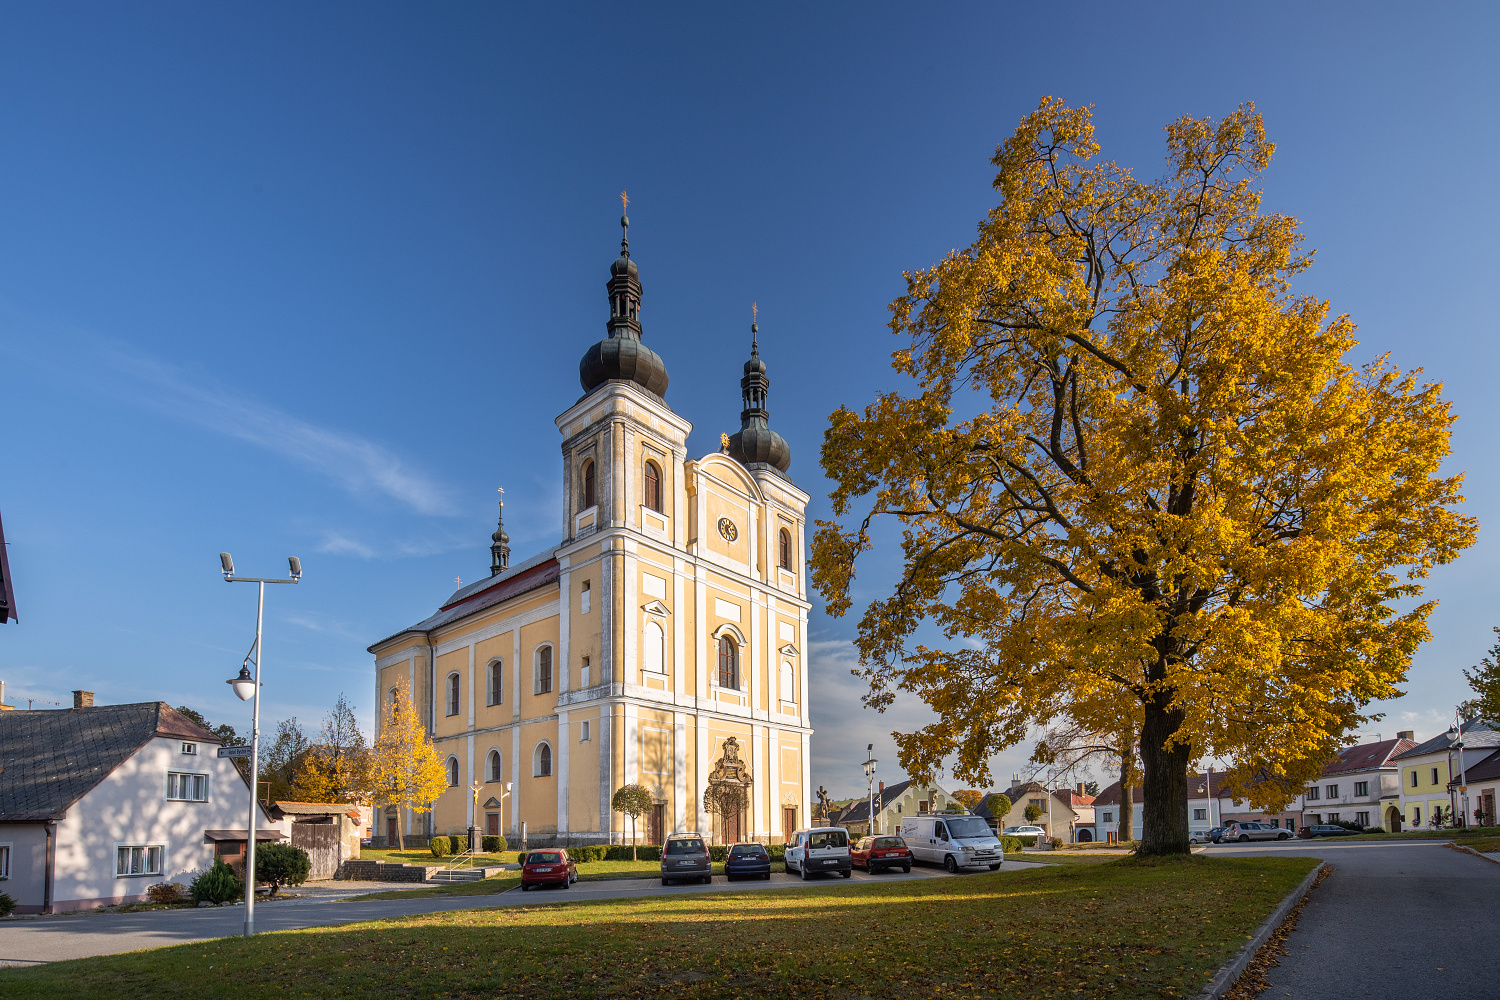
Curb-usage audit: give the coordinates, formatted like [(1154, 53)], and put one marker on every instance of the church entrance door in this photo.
[(656, 824), (788, 823), (731, 827)]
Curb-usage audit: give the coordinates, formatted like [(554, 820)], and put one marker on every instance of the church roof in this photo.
[(51, 758), (534, 573)]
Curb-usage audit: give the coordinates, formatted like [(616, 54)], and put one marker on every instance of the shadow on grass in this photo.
[(1149, 928)]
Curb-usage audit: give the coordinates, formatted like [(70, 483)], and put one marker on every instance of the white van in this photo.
[(820, 849), (952, 840)]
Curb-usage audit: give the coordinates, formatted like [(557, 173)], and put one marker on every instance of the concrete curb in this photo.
[(1493, 859), (1226, 976)]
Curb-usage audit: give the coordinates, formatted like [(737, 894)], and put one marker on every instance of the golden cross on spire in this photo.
[(501, 490), (754, 312), (624, 204)]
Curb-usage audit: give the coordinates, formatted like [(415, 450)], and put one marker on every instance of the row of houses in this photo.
[(98, 802)]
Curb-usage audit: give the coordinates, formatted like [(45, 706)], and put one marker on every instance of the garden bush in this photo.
[(1349, 825), (492, 844), (165, 892), (218, 885), (281, 864), (7, 904), (717, 852), (520, 857), (777, 852), (438, 846), (622, 852), (589, 852), (1011, 845)]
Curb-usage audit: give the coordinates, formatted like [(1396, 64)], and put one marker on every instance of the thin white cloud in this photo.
[(335, 544), (359, 465)]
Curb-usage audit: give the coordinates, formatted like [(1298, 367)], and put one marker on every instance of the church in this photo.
[(661, 643)]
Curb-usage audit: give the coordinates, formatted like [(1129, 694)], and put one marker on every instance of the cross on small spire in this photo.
[(624, 225), (501, 490), (458, 581), (624, 203)]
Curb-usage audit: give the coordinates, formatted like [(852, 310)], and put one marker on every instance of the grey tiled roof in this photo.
[(535, 572), (49, 759), (1485, 769), (859, 809), (1478, 735)]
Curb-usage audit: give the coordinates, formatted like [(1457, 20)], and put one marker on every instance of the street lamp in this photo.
[(247, 688), (1456, 735), (870, 786)]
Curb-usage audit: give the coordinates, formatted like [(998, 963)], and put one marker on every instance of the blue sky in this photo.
[(314, 279)]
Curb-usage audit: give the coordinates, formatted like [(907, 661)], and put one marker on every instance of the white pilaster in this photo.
[(679, 773), (564, 742)]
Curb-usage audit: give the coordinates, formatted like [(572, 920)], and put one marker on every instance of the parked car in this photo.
[(1248, 830), (747, 860), (878, 854), (1209, 836), (820, 849), (1025, 831), (1328, 830), (953, 841), (548, 868), (685, 856)]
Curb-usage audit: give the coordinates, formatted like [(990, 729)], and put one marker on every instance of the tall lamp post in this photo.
[(870, 786), (247, 688), (1456, 734)]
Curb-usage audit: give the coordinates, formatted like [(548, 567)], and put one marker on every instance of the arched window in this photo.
[(542, 764), (786, 549), (494, 683), (788, 681), (453, 694), (453, 772), (729, 662), (543, 670), (493, 766), (588, 485), (652, 492), (653, 648)]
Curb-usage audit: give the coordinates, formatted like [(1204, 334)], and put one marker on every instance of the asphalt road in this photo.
[(1395, 919), (80, 935)]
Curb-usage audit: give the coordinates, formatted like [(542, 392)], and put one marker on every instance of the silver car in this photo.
[(1251, 830), (685, 856)]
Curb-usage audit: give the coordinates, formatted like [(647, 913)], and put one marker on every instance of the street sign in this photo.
[(234, 751)]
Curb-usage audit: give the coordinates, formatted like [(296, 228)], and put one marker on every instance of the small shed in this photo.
[(328, 831)]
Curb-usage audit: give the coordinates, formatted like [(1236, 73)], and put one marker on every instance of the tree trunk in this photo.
[(400, 836), (1127, 786), (1164, 780), (632, 838)]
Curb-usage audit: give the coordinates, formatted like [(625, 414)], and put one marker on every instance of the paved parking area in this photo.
[(54, 939)]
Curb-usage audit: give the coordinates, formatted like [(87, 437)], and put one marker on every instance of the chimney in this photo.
[(882, 788), (83, 699), (1080, 788), (1407, 734)]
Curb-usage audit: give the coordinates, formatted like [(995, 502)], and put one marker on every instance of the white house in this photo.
[(99, 802), (1362, 785), (1209, 805)]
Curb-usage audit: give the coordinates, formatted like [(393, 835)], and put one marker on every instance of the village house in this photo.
[(1429, 774), (1361, 785), (97, 802), (904, 798), (1067, 813)]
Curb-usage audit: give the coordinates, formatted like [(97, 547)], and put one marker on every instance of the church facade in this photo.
[(661, 643)]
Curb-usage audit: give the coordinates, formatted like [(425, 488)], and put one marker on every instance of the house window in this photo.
[(785, 546), (494, 766), (1416, 815), (138, 860), (584, 598), (1434, 776), (452, 772), (187, 787), (543, 683), (922, 805), (1363, 819), (729, 663), (1312, 794), (495, 683), (588, 485), (1273, 824), (541, 765), (583, 735), (652, 489), (653, 648), (1109, 817), (1333, 791), (190, 748), (4, 861), (1414, 777), (583, 673), (453, 694), (1200, 814), (1361, 788), (1333, 817)]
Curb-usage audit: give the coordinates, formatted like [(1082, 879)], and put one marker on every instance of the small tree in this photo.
[(281, 864), (404, 769), (633, 801), (1033, 813), (999, 806)]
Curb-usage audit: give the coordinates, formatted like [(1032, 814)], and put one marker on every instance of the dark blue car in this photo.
[(748, 860)]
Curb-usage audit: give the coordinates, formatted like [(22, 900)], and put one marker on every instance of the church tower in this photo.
[(661, 643)]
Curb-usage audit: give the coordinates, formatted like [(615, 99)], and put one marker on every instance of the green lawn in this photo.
[(1484, 845), (1127, 929), (1461, 836)]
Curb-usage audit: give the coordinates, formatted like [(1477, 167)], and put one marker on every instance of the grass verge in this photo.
[(1128, 929)]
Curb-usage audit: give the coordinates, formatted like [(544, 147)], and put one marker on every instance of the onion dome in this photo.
[(500, 544), (621, 356), (756, 445)]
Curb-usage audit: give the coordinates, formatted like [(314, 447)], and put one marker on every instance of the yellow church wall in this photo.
[(533, 636), (583, 771), (499, 647), (538, 793), (718, 504), (448, 664)]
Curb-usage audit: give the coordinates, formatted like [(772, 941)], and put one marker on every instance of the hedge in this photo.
[(492, 844), (1013, 845), (438, 846)]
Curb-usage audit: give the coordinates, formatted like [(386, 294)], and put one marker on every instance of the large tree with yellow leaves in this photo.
[(1137, 478)]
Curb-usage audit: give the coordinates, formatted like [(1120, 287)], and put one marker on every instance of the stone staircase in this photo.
[(450, 875)]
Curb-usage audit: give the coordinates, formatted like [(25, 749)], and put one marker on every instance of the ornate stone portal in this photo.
[(728, 791)]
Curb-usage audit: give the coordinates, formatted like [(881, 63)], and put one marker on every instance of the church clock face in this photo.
[(728, 530)]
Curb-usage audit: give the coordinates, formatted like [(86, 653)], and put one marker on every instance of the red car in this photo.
[(876, 854), (548, 868)]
